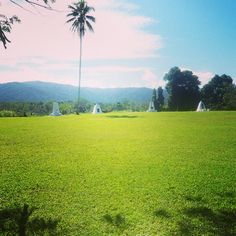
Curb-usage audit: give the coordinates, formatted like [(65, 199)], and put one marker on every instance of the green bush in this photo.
[(6, 113)]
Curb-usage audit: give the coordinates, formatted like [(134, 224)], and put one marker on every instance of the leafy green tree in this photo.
[(229, 98), (160, 97), (6, 113), (183, 89), (80, 22), (84, 106), (154, 99), (119, 106), (216, 94)]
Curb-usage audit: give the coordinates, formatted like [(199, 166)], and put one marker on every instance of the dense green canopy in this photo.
[(220, 93), (183, 89)]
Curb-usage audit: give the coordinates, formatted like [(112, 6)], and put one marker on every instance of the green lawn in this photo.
[(119, 174)]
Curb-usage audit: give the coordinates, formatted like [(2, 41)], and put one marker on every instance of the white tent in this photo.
[(151, 107), (201, 107), (97, 109), (55, 109)]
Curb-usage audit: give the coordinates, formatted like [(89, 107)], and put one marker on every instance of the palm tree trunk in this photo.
[(80, 62)]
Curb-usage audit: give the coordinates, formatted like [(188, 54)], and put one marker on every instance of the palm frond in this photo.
[(71, 19), (79, 18), (90, 8), (91, 18), (89, 26), (71, 7)]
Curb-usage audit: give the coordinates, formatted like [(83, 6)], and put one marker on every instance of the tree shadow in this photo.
[(117, 221), (162, 213), (18, 221), (227, 194), (197, 199), (222, 222), (186, 228), (121, 117), (204, 220), (230, 196)]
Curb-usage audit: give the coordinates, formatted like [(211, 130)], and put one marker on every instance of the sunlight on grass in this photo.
[(122, 173)]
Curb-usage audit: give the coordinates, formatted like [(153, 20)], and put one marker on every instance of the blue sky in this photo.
[(198, 34), (135, 43)]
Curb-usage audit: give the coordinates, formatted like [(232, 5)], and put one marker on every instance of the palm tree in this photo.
[(80, 22)]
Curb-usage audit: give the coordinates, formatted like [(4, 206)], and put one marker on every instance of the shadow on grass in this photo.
[(121, 117), (204, 220), (194, 199), (162, 213), (117, 221), (199, 218), (230, 196), (18, 221), (222, 222)]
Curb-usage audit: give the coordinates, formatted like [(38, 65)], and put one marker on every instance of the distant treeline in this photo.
[(184, 94), (25, 109)]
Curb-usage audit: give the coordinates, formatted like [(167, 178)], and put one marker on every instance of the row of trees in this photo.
[(25, 109), (184, 91)]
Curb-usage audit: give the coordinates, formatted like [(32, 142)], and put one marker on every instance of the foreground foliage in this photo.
[(6, 22), (119, 174)]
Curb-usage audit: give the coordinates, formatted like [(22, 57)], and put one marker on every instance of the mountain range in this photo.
[(37, 91)]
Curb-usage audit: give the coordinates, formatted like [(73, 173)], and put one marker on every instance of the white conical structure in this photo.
[(201, 107), (55, 110), (151, 107), (97, 109)]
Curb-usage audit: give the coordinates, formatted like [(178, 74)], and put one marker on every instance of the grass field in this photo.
[(119, 174)]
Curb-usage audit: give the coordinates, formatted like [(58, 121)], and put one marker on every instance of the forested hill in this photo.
[(42, 91)]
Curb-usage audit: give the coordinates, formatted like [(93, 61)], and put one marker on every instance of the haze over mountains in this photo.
[(41, 91)]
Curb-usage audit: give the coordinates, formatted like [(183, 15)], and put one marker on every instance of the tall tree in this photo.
[(215, 92), (183, 89), (160, 97), (154, 99), (80, 22)]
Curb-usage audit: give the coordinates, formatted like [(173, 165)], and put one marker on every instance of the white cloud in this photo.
[(43, 48), (151, 80), (67, 73), (27, 74), (203, 76), (113, 69), (118, 34)]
